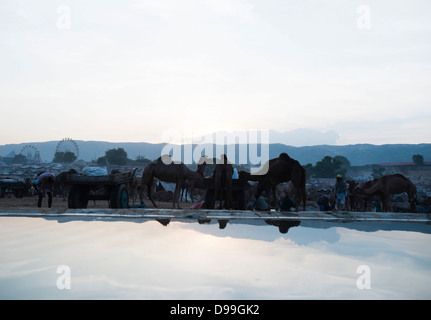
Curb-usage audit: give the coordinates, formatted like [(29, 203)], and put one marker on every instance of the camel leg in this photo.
[(274, 195), (299, 198), (191, 189), (387, 205), (304, 198), (412, 206), (149, 192), (177, 195), (229, 200), (221, 199), (412, 200), (268, 195), (141, 194), (217, 194)]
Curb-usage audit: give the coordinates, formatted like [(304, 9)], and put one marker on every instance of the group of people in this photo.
[(340, 192)]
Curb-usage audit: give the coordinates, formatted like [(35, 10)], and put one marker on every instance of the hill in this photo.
[(358, 154)]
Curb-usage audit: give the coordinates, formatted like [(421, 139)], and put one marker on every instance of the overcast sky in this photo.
[(130, 70)]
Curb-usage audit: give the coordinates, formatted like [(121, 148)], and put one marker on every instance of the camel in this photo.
[(60, 186), (279, 170), (392, 184), (356, 199), (176, 173), (223, 182), (353, 197), (185, 187), (193, 188)]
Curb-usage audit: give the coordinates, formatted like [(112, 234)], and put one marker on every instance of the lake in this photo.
[(103, 258)]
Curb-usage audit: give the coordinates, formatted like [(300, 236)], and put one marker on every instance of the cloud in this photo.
[(197, 9), (241, 64), (233, 8), (304, 137)]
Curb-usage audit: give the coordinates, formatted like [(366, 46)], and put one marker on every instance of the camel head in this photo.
[(203, 161)]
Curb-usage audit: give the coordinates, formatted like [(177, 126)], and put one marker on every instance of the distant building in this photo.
[(399, 164)]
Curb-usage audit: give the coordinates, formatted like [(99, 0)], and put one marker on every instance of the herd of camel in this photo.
[(275, 172)]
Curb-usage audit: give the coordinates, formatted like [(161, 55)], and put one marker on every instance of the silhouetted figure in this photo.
[(45, 184)]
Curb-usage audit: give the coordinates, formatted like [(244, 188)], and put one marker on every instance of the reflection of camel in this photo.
[(223, 182), (392, 184), (279, 170), (283, 226), (172, 172)]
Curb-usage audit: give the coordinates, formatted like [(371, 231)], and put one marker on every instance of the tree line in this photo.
[(116, 156), (328, 167)]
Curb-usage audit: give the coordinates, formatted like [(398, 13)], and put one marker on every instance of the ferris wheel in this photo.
[(68, 145), (31, 153)]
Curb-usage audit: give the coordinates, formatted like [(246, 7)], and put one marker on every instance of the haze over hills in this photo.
[(358, 154)]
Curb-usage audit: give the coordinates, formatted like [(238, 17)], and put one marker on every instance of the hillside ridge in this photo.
[(357, 154)]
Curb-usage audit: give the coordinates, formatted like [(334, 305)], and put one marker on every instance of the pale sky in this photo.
[(130, 70)]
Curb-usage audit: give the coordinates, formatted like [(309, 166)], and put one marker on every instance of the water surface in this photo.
[(148, 259)]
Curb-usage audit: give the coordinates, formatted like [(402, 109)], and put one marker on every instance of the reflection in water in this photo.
[(283, 225), (212, 259), (164, 222)]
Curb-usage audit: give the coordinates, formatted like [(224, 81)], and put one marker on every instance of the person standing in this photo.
[(45, 184), (340, 193)]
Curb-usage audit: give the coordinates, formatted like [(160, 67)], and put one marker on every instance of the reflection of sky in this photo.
[(146, 260), (259, 230)]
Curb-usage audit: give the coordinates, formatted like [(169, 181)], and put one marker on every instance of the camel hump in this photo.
[(399, 175), (164, 159), (285, 157)]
